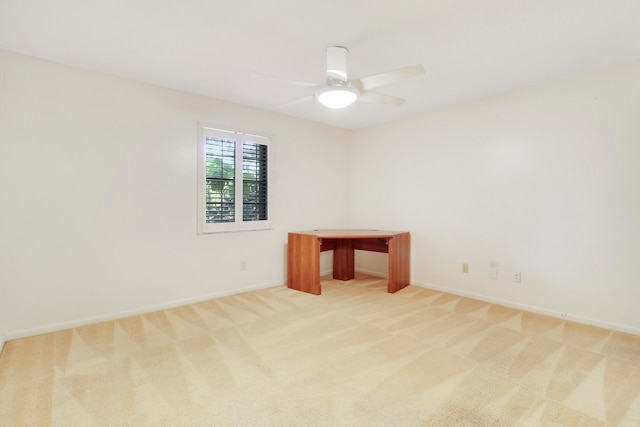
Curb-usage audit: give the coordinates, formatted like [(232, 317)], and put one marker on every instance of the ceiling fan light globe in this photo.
[(337, 97)]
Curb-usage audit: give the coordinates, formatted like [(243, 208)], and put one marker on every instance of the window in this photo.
[(233, 189)]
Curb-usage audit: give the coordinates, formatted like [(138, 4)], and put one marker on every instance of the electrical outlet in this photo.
[(465, 267), (517, 277), (243, 265), (493, 270)]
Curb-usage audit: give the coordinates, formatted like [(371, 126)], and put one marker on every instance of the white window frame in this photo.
[(240, 136)]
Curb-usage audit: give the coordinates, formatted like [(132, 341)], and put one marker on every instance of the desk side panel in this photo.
[(303, 263), (399, 262)]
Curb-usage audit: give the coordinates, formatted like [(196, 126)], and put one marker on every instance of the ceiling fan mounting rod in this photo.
[(337, 63)]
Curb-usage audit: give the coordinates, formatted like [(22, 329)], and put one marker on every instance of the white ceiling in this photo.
[(470, 48)]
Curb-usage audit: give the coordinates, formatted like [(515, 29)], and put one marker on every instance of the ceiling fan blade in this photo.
[(370, 82), (296, 102), (284, 80), (378, 98), (337, 63)]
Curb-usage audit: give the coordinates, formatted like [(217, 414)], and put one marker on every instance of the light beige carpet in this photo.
[(354, 356)]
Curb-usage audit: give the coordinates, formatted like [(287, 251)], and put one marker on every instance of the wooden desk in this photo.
[(303, 256)]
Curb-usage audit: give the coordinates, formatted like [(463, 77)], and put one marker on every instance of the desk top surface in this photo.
[(350, 233)]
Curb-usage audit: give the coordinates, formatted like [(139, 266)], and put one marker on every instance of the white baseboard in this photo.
[(149, 309), (3, 338), (626, 329), (384, 275), (54, 327), (533, 309)]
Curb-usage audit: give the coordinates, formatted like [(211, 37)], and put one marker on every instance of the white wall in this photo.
[(545, 181), (98, 196), (98, 188)]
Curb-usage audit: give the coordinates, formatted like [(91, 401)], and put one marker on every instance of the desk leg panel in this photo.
[(303, 263), (344, 260), (399, 262)]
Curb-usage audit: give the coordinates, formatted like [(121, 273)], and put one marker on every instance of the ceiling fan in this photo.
[(339, 91)]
